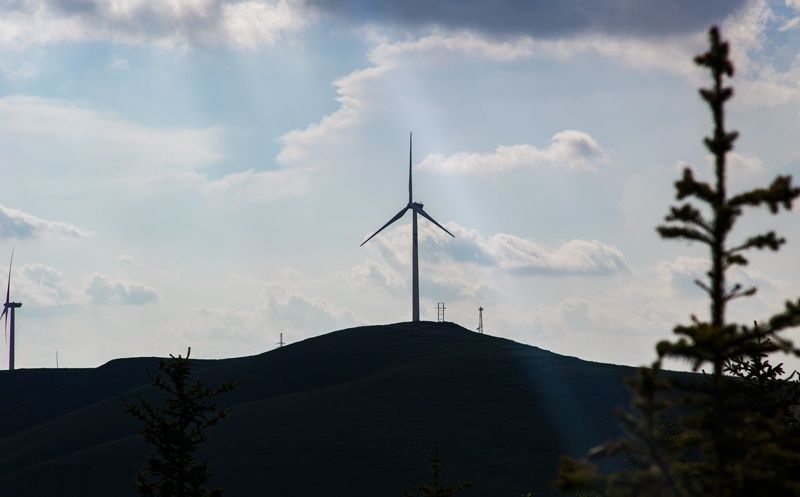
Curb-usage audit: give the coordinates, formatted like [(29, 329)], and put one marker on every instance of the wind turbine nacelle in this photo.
[(415, 205)]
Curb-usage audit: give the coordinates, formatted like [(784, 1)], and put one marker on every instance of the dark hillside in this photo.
[(354, 412)]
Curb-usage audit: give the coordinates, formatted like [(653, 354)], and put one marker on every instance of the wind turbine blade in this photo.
[(8, 288), (410, 141), (395, 218), (5, 314), (426, 216)]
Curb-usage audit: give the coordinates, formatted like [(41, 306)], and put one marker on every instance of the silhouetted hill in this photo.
[(351, 413)]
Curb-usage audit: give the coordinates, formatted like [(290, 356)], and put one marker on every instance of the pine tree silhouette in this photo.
[(729, 433), (434, 488), (176, 429)]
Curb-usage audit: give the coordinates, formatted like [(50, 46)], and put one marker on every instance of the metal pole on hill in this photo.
[(440, 312)]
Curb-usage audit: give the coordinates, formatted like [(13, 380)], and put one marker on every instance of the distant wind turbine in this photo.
[(416, 208), (5, 314)]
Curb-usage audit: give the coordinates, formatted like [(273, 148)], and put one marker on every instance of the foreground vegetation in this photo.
[(734, 431)]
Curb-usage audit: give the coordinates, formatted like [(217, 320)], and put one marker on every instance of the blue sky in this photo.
[(201, 172)]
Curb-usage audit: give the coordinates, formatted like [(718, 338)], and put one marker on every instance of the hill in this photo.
[(350, 413)]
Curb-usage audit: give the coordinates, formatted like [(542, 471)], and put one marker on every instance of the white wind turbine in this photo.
[(416, 208), (8, 310)]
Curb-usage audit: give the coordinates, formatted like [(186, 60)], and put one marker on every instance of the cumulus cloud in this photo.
[(540, 17), (41, 286), (511, 253), (15, 223), (174, 23), (744, 24), (372, 274), (105, 290), (293, 310), (279, 310), (358, 91), (746, 163), (568, 149), (210, 324)]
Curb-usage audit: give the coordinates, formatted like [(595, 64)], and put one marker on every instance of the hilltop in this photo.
[(353, 412)]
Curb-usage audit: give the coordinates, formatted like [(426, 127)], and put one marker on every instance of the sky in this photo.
[(201, 173)]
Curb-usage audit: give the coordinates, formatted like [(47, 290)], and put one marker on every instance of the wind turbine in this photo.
[(5, 314), (416, 208)]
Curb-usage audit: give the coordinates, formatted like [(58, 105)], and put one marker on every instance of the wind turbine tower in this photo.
[(416, 208), (8, 311)]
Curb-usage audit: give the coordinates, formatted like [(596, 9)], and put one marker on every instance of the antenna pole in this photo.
[(480, 320), (56, 359)]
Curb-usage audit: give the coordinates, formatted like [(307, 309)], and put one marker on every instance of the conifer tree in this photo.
[(729, 432), (435, 488), (176, 429)]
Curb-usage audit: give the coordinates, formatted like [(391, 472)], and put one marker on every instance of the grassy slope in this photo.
[(352, 413)]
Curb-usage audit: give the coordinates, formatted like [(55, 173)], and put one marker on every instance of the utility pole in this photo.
[(480, 320), (56, 359)]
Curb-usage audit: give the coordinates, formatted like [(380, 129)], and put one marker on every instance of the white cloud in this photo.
[(371, 274), (279, 310), (358, 92), (119, 64), (744, 163), (212, 324), (253, 23), (760, 83), (126, 259), (97, 143), (513, 254), (15, 223), (568, 149), (291, 310), (86, 148), (254, 185), (172, 23), (39, 286), (791, 23), (389, 53), (105, 290), (526, 257), (672, 55)]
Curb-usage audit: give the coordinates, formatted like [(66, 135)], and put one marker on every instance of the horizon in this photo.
[(206, 180)]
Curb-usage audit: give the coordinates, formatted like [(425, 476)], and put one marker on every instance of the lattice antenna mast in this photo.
[(440, 312), (281, 342), (480, 320)]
